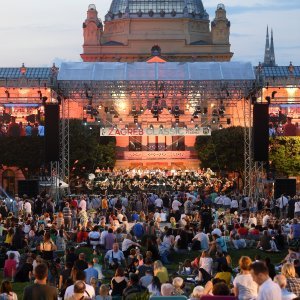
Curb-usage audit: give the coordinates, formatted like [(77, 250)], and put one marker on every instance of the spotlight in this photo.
[(273, 94), (220, 126), (126, 126), (151, 126), (196, 126), (135, 119), (192, 120), (268, 99), (161, 126), (213, 121)]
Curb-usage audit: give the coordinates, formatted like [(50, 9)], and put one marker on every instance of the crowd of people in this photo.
[(14, 129), (156, 180), (140, 244)]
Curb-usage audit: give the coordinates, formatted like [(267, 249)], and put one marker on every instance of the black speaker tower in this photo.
[(261, 132), (51, 132)]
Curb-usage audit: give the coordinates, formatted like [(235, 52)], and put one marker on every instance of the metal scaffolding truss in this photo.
[(64, 133), (108, 90)]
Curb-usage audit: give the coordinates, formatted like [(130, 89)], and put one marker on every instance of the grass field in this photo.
[(176, 258)]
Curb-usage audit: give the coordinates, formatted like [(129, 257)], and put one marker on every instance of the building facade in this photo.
[(157, 31), (177, 30)]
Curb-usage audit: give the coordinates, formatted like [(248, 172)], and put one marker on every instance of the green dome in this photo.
[(156, 9)]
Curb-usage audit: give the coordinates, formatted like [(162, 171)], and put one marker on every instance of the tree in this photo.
[(22, 152), (285, 156), (88, 150), (223, 150)]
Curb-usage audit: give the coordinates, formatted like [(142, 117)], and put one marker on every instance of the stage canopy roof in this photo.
[(143, 71)]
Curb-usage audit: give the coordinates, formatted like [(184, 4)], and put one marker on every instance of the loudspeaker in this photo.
[(261, 132), (285, 186), (28, 187), (51, 132)]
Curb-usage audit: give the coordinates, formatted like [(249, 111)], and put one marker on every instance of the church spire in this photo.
[(267, 48), (272, 51), (269, 59)]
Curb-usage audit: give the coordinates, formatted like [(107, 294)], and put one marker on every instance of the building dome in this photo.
[(157, 9)]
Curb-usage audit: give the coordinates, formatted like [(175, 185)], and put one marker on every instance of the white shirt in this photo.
[(217, 231), (82, 204), (252, 221), (20, 205), (246, 286), (126, 244), (175, 205), (158, 202), (219, 200), (70, 292), (265, 220), (163, 217), (282, 202), (226, 201), (204, 240), (297, 207), (102, 237), (269, 290), (206, 264), (27, 207), (234, 203)]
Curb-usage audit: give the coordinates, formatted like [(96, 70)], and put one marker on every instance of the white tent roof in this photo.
[(169, 71)]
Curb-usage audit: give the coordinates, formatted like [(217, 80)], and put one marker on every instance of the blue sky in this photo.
[(38, 32)]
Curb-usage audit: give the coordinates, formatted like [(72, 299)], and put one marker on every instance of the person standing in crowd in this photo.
[(244, 287), (268, 290), (40, 289)]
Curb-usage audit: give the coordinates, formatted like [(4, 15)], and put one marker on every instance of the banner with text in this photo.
[(177, 131)]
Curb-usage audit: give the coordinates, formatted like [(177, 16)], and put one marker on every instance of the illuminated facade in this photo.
[(158, 31), (180, 28)]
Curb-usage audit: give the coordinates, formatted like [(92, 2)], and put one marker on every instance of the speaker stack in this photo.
[(51, 132), (261, 132)]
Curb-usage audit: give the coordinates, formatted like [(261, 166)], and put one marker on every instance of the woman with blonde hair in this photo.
[(160, 271), (293, 283), (197, 292), (103, 293), (178, 284), (243, 285)]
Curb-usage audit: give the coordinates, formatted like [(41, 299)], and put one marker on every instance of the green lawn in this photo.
[(176, 258)]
